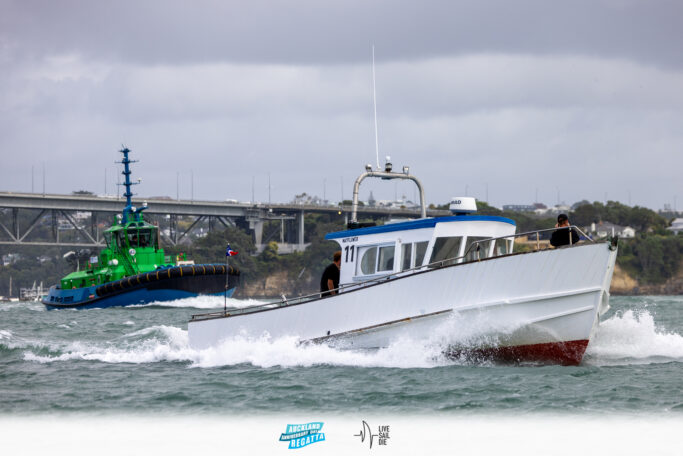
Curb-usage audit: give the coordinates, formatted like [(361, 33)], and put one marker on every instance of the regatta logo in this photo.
[(301, 435)]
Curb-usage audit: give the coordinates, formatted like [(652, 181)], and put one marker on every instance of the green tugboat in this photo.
[(133, 269)]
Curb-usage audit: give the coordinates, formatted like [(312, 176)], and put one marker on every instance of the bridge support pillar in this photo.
[(257, 226), (173, 228), (300, 229), (93, 226), (54, 226), (15, 223)]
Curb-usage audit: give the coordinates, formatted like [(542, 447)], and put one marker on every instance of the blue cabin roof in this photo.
[(416, 224)]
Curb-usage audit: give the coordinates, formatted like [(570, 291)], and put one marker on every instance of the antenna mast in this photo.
[(127, 184), (374, 102)]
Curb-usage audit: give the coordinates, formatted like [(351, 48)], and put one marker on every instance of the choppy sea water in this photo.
[(137, 359)]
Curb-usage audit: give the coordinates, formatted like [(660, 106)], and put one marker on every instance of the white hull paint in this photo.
[(528, 299)]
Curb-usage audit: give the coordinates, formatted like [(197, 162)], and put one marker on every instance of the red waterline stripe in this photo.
[(566, 353)]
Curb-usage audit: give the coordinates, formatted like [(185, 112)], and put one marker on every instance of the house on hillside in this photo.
[(402, 203), (604, 229), (519, 207), (10, 258), (676, 226), (559, 209)]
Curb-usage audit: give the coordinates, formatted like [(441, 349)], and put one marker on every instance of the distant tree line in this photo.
[(654, 255)]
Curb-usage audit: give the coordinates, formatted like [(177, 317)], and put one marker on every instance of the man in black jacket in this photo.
[(561, 235), (330, 279)]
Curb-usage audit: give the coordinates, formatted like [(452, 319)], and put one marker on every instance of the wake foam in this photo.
[(171, 344), (204, 302), (633, 337)]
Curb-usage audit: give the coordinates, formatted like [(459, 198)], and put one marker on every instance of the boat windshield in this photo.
[(120, 239), (140, 237), (474, 253), (446, 248), (503, 246)]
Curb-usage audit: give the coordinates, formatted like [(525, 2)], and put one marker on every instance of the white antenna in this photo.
[(374, 101)]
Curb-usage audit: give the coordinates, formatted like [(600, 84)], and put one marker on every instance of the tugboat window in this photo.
[(144, 237), (446, 248), (368, 260), (420, 250), (133, 239), (119, 239), (406, 253), (386, 258)]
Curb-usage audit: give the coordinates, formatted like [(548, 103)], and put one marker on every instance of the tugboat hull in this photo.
[(156, 286)]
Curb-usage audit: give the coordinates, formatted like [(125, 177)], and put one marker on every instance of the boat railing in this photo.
[(284, 302), (477, 244)]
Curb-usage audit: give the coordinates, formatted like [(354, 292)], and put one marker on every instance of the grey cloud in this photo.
[(516, 95), (341, 32), (427, 88)]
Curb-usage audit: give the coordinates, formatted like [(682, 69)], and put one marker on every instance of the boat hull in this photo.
[(538, 306), (157, 286)]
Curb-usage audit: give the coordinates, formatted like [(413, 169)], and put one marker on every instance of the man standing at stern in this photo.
[(561, 235), (330, 279)]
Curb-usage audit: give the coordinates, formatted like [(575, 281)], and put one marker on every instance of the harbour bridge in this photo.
[(79, 220)]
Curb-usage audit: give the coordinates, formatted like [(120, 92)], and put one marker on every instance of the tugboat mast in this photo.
[(129, 209)]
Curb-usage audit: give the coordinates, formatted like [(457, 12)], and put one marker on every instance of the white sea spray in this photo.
[(627, 337), (205, 302), (633, 337)]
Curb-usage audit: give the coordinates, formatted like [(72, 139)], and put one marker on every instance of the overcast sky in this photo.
[(576, 100)]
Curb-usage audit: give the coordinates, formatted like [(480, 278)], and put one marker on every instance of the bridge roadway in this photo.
[(252, 215)]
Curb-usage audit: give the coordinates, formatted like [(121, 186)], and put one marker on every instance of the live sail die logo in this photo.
[(380, 437), (301, 435)]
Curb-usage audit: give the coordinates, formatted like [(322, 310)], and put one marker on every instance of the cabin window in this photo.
[(107, 238), (386, 258), (120, 242), (406, 254), (476, 251), (420, 250), (502, 247), (368, 260), (375, 259), (446, 248), (144, 237)]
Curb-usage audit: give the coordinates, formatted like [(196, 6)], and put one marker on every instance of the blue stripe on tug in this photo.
[(417, 224)]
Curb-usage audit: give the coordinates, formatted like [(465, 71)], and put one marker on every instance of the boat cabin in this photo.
[(410, 246)]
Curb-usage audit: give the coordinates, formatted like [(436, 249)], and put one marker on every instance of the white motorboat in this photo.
[(452, 278)]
